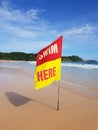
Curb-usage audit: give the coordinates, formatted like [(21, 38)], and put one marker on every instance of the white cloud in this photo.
[(18, 31), (84, 35), (7, 13), (26, 29), (24, 24), (29, 24), (23, 46), (82, 30)]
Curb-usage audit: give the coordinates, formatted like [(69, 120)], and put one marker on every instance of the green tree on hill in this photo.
[(32, 57)]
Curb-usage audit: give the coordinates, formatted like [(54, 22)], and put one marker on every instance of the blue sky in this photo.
[(30, 25)]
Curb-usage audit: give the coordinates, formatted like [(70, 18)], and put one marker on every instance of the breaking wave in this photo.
[(81, 65)]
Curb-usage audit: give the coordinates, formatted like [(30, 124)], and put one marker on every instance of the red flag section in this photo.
[(51, 52)]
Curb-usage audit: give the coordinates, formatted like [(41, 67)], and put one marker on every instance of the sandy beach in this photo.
[(24, 108)]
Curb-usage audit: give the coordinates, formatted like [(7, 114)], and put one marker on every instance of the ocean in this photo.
[(73, 72), (80, 78), (81, 73)]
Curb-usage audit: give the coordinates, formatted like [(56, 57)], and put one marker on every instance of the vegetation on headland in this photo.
[(73, 58), (18, 56), (32, 57)]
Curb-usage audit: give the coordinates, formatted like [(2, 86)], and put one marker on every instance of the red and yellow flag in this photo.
[(48, 64)]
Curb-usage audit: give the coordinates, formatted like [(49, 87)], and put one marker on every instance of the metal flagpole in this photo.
[(58, 101)]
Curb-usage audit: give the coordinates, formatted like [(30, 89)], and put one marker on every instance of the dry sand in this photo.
[(24, 108)]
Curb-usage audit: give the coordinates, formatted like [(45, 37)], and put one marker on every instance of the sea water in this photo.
[(81, 73), (73, 72), (81, 78)]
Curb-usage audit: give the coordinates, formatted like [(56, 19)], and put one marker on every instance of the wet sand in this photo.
[(24, 108)]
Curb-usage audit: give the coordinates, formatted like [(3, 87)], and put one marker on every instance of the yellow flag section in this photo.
[(47, 73)]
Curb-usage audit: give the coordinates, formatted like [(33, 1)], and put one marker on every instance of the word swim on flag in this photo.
[(48, 64)]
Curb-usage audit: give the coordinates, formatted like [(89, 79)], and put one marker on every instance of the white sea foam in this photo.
[(77, 65), (9, 67), (80, 65), (32, 62)]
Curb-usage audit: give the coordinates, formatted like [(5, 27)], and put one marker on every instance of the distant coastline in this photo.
[(21, 56)]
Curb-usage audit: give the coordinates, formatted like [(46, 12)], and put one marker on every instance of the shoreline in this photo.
[(77, 88), (24, 108), (11, 61)]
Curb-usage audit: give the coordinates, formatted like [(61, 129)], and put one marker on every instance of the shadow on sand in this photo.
[(18, 100)]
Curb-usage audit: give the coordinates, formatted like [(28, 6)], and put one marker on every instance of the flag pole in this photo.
[(58, 100)]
